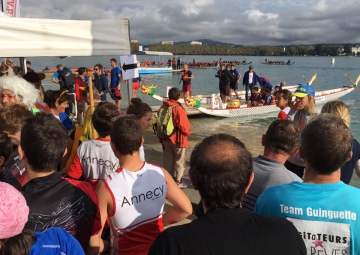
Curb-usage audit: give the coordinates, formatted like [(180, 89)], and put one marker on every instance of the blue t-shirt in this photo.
[(324, 214), (56, 74), (115, 77), (55, 241), (236, 73), (268, 100)]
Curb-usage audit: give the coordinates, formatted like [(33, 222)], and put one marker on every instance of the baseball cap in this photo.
[(14, 212), (304, 90), (251, 67)]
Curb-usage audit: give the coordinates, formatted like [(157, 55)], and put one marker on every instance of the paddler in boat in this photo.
[(226, 78), (256, 98)]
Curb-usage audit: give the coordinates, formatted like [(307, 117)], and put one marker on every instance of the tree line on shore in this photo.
[(295, 50)]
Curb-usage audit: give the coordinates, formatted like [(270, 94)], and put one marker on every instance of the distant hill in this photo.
[(205, 41)]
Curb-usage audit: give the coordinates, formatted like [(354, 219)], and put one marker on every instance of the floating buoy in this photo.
[(333, 61)]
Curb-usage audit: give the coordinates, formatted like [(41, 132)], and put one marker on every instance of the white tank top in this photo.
[(138, 199), (96, 159)]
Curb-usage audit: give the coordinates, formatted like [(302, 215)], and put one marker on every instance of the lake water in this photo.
[(328, 76)]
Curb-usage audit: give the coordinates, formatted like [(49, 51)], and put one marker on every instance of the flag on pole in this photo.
[(11, 8)]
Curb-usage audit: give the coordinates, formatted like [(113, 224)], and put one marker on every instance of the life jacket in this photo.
[(66, 79), (164, 126)]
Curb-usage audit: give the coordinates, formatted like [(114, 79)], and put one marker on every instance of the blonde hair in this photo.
[(339, 109), (311, 106)]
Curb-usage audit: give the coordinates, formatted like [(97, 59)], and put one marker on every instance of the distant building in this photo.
[(355, 50), (134, 41), (167, 42), (195, 43)]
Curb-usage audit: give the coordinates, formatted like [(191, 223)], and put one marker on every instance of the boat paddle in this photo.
[(311, 80), (354, 83)]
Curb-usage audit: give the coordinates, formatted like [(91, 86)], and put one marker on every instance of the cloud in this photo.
[(257, 22)]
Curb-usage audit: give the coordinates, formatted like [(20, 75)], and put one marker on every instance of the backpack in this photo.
[(66, 79), (164, 126)]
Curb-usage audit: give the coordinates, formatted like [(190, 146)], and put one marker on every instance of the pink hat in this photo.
[(14, 212)]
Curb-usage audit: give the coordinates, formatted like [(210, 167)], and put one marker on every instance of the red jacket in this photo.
[(181, 123), (78, 92)]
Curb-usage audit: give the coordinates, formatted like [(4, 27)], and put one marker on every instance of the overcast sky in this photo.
[(254, 22)]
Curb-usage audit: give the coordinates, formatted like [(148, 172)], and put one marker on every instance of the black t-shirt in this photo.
[(7, 177), (187, 73), (231, 232), (60, 202)]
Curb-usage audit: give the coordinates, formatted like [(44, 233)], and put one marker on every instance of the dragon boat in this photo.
[(277, 63), (205, 99), (223, 110)]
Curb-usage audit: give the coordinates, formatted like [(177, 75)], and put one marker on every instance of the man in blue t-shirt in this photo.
[(322, 208), (234, 82), (115, 82)]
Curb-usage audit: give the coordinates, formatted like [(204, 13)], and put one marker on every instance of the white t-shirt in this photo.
[(251, 76)]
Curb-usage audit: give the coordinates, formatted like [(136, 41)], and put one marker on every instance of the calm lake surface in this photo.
[(328, 76)]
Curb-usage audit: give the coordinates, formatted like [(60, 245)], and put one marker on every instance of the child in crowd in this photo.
[(55, 201), (282, 100), (95, 159), (15, 239), (143, 113), (6, 147), (140, 190), (256, 98)]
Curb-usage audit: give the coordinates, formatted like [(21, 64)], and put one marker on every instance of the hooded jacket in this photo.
[(181, 123)]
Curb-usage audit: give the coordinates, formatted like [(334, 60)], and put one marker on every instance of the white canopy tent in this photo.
[(28, 37)]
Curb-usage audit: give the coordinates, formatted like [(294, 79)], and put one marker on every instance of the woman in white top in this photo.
[(143, 113)]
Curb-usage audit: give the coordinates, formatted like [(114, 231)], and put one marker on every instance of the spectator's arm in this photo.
[(181, 120), (357, 168), (96, 244), (181, 203), (104, 84), (54, 80)]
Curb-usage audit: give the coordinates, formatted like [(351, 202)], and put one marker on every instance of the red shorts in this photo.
[(135, 85), (186, 87)]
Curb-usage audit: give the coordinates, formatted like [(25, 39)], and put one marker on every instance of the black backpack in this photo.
[(66, 79)]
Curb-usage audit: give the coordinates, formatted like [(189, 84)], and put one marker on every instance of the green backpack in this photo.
[(164, 126)]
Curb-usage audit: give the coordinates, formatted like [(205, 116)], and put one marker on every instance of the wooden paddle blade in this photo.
[(357, 80), (353, 83), (304, 79), (312, 79)]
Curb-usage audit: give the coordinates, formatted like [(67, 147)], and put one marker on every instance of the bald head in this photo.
[(220, 168)]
